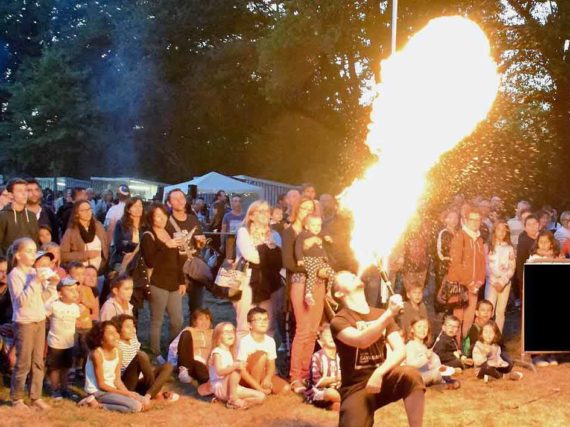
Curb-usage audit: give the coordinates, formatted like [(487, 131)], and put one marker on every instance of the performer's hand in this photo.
[(374, 383), (395, 304)]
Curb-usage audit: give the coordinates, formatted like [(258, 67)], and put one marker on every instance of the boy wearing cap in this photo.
[(63, 314)]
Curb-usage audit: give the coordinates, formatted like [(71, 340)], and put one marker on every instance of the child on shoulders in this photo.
[(258, 351), (225, 372), (324, 373)]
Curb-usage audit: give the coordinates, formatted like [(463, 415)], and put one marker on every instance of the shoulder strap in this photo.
[(174, 224), (149, 233)]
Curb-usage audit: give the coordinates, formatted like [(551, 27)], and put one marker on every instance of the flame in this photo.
[(433, 94)]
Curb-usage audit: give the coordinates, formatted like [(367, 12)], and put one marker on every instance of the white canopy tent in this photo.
[(213, 182)]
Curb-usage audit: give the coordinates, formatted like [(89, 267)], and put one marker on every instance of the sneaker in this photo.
[(40, 404), (514, 376), (67, 394), (451, 384), (298, 386), (170, 396), (540, 362), (552, 360), (57, 395), (184, 376), (20, 405)]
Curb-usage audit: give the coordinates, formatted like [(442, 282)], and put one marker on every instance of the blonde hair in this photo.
[(14, 249), (217, 338), (258, 235)]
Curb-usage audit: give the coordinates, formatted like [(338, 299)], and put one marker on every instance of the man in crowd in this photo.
[(91, 198), (5, 197), (116, 212), (230, 224), (103, 205), (64, 212), (15, 220), (563, 232), (45, 216), (292, 199), (182, 223), (516, 223), (372, 377), (527, 240)]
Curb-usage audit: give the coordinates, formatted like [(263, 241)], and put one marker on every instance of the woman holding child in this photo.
[(261, 247), (308, 317)]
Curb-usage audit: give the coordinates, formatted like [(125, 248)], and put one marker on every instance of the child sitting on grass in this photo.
[(189, 351), (487, 356), (413, 308), (447, 348), (483, 313), (258, 351), (137, 373), (103, 373), (62, 314), (118, 303), (224, 372), (424, 359), (324, 373)]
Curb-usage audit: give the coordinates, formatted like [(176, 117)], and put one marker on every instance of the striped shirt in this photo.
[(129, 351)]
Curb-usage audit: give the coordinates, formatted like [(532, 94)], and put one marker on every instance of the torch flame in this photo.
[(433, 94)]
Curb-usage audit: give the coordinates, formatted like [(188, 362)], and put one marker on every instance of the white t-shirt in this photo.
[(114, 214), (94, 245), (247, 346), (62, 324), (227, 360)]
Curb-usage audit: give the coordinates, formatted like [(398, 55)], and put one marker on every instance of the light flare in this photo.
[(433, 94)]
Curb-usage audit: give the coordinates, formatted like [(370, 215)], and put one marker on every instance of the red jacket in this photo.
[(467, 260)]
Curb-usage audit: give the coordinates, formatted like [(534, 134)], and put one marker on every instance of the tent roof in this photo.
[(212, 182)]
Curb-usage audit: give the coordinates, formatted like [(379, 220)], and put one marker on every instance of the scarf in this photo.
[(473, 234), (88, 234)]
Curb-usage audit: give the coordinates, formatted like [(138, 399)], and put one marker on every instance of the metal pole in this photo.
[(394, 24)]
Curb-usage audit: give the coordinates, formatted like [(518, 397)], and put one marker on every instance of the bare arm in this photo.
[(222, 371), (100, 377)]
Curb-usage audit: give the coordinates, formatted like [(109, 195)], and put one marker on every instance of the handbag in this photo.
[(234, 276), (196, 269), (453, 295)]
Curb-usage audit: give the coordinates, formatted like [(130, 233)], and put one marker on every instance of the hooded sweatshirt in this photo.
[(15, 224)]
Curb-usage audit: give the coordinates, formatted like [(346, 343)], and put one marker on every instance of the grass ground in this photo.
[(540, 399)]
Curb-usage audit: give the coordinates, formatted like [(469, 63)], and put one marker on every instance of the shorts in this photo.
[(59, 358), (357, 406)]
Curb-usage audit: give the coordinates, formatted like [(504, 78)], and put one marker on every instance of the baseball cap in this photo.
[(40, 254), (124, 190), (68, 281)]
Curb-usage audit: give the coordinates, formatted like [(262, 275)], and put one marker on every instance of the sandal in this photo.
[(236, 404)]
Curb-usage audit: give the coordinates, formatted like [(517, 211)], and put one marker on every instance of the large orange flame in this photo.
[(433, 94)]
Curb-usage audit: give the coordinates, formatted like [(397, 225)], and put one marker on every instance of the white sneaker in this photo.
[(184, 376), (552, 360), (540, 362)]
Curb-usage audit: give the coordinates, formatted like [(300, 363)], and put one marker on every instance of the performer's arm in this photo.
[(395, 358)]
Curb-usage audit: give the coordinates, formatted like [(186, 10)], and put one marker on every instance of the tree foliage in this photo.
[(281, 90)]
